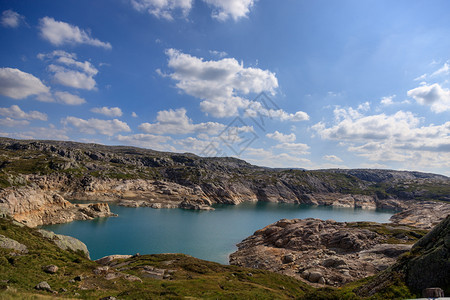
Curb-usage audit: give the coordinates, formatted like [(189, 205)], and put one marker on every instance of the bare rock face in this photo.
[(11, 244), (423, 215), (321, 252), (65, 242), (33, 206)]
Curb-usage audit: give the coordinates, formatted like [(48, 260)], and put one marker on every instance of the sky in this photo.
[(292, 83)]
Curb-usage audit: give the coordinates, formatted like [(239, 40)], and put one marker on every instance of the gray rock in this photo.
[(8, 243), (51, 269), (43, 286), (288, 258), (433, 293), (315, 276), (65, 242)]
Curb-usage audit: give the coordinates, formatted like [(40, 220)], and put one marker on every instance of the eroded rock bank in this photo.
[(325, 252), (35, 206)]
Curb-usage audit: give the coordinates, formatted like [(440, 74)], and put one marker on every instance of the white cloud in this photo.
[(94, 126), (177, 122), (8, 122), (108, 111), (386, 101), (69, 59), (15, 112), (397, 137), (263, 157), (293, 148), (150, 141), (70, 72), (235, 9), (332, 158), (11, 19), (444, 70), (43, 133), (164, 9), (281, 137), (134, 115), (62, 98), (433, 95), (219, 54), (218, 83), (256, 109), (59, 33), (68, 98), (19, 85)]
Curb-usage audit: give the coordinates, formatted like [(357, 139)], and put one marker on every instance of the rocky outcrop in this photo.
[(425, 270), (11, 244), (422, 214), (325, 252), (65, 242), (34, 206)]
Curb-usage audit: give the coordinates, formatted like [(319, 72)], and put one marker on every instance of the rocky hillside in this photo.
[(427, 265), (35, 172)]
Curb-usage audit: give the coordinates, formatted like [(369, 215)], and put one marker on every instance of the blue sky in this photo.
[(308, 84)]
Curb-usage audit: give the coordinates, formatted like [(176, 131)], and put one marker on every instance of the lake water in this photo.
[(209, 235)]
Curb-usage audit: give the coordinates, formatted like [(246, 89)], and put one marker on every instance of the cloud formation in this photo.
[(164, 9), (60, 33), (19, 85), (433, 95), (168, 9), (397, 137), (235, 9), (95, 126), (11, 19), (177, 122), (218, 83), (15, 112), (281, 137), (108, 111), (69, 72)]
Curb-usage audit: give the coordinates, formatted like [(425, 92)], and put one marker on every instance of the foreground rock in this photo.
[(66, 242), (426, 270), (325, 252)]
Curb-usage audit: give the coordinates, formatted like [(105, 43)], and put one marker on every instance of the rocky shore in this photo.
[(325, 252)]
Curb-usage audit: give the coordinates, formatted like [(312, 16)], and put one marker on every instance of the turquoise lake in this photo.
[(209, 235)]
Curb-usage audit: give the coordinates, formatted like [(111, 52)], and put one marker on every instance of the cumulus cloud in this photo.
[(281, 137), (19, 85), (266, 157), (42, 133), (108, 111), (15, 112), (433, 95), (8, 122), (397, 137), (332, 158), (94, 126), (218, 82), (11, 19), (68, 71), (150, 141), (61, 98), (235, 9), (134, 115), (293, 148), (60, 33), (177, 122), (388, 100), (164, 9), (257, 109)]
